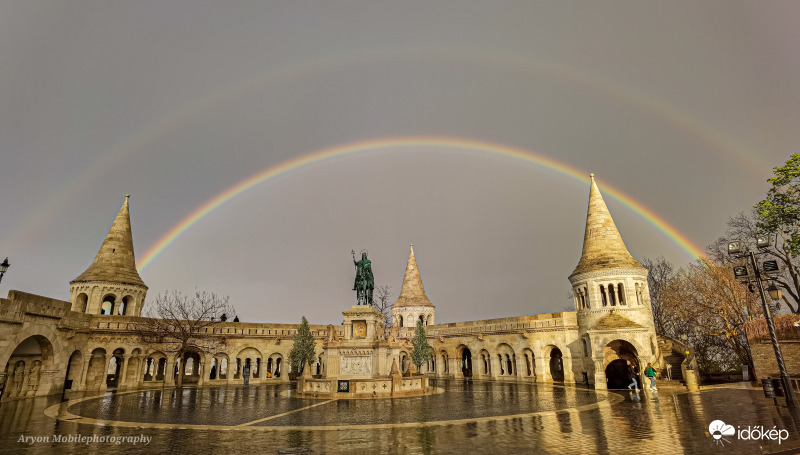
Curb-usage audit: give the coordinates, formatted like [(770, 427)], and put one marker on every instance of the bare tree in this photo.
[(570, 306), (175, 323), (745, 227), (384, 303), (661, 272), (705, 301)]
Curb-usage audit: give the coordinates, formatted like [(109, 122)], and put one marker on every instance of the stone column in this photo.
[(227, 371), (84, 374), (50, 381), (599, 375), (494, 366), (169, 371), (103, 374), (522, 367), (569, 374), (25, 389), (201, 371), (455, 367), (121, 383), (540, 366)]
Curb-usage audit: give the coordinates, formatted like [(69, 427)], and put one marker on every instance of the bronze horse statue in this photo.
[(365, 282)]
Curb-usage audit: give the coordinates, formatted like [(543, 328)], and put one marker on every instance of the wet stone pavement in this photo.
[(468, 417)]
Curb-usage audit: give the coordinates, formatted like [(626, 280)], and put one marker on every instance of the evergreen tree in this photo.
[(303, 351), (422, 350)]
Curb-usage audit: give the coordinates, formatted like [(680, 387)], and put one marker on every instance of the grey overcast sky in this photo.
[(683, 106)]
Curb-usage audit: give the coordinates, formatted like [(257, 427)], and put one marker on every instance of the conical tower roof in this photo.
[(115, 262), (412, 293), (602, 245)]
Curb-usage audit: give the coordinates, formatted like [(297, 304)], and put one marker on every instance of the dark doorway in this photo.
[(466, 363), (556, 365), (617, 370), (617, 374), (112, 376)]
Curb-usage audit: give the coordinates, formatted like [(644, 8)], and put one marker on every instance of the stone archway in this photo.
[(114, 368), (32, 357), (96, 371), (616, 356), (250, 362), (190, 368), (74, 368), (557, 365), (274, 365), (506, 360), (466, 362), (485, 363), (530, 363)]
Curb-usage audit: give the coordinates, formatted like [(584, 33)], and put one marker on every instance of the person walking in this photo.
[(650, 372), (633, 372)]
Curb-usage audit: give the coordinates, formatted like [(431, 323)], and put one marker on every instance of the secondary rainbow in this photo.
[(386, 144)]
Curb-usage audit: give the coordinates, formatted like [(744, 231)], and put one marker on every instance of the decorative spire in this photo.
[(115, 262), (412, 293), (602, 245)]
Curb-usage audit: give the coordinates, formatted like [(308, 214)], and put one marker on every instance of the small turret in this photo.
[(615, 321), (111, 285), (412, 305)]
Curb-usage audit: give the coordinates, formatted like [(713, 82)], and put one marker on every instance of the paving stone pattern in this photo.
[(652, 424)]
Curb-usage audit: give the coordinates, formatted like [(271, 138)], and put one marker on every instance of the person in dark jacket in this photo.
[(633, 374)]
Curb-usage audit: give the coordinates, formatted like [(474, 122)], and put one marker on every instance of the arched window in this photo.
[(611, 295), (603, 295), (502, 371), (108, 305), (223, 368), (112, 366), (586, 297), (82, 303), (638, 295), (421, 319), (621, 291), (401, 321)]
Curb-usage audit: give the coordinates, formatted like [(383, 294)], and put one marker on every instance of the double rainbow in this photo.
[(387, 144)]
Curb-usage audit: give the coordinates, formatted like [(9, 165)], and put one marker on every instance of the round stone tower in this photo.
[(111, 285), (412, 305), (612, 300)]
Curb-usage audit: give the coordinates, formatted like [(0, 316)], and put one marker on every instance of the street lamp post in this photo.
[(3, 267), (735, 248)]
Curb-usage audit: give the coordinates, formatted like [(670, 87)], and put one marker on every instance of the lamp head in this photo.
[(735, 247)]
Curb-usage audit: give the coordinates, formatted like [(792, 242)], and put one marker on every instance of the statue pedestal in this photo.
[(362, 352), (356, 363)]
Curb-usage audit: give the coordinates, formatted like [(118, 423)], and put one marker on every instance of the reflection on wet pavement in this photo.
[(488, 417)]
